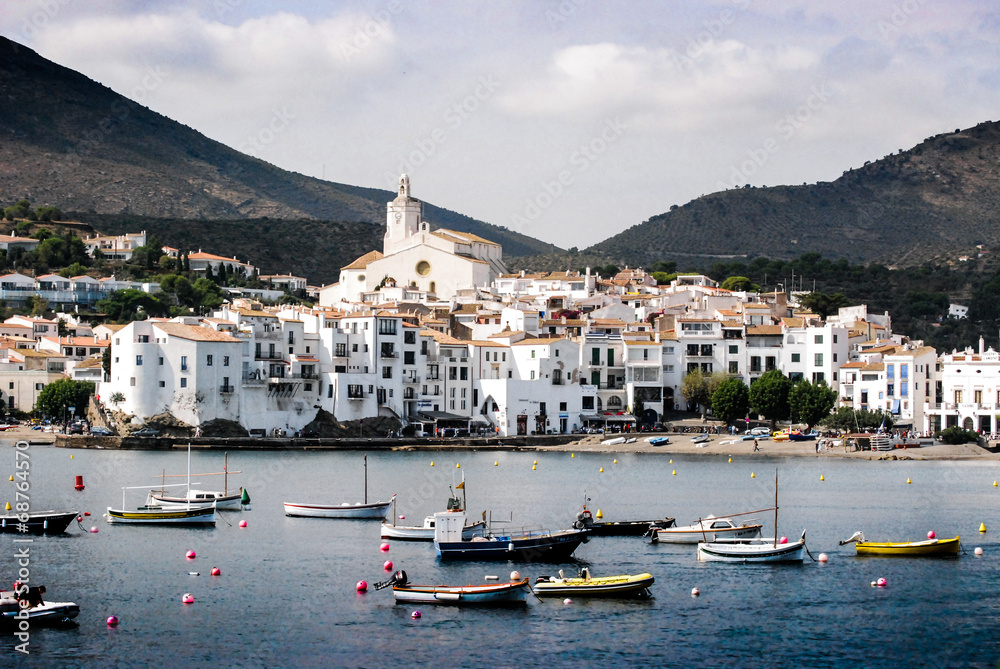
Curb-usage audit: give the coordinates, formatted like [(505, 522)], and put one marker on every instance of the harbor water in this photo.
[(286, 595)]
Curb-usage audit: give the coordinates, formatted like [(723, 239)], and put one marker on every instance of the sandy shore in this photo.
[(726, 445)]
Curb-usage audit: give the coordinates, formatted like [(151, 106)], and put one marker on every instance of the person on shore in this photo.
[(756, 446)]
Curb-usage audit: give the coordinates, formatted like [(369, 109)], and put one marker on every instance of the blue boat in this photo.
[(657, 441), (525, 546)]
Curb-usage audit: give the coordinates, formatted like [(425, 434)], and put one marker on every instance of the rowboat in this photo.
[(490, 594), (707, 529), (525, 545), (636, 585), (758, 549), (357, 511), (39, 522), (38, 612), (701, 438), (802, 436), (614, 441), (193, 514), (928, 548), (425, 532)]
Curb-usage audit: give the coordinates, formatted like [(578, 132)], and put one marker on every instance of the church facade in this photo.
[(436, 262)]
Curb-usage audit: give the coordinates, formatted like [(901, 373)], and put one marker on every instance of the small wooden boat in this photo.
[(357, 511), (159, 515), (802, 436), (525, 545), (490, 594), (701, 438), (39, 522), (707, 529), (585, 585), (620, 528), (927, 548), (780, 436), (38, 612)]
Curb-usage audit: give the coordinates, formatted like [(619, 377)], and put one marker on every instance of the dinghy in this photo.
[(635, 585)]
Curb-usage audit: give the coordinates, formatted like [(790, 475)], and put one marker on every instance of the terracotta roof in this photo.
[(31, 353), (79, 341), (874, 367), (194, 332), (209, 256), (254, 313), (546, 341), (763, 330), (793, 322), (468, 236), (506, 333), (363, 261), (732, 324), (89, 363), (852, 365)]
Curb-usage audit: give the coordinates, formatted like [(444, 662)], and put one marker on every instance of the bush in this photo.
[(956, 435)]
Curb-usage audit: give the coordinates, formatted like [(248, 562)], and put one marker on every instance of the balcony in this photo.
[(411, 379), (226, 390), (355, 395), (253, 379), (389, 354)]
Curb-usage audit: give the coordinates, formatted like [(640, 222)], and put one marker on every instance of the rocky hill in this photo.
[(940, 197), (68, 141)]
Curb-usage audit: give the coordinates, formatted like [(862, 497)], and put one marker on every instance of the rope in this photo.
[(809, 554)]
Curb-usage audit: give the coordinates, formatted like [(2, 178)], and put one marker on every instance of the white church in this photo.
[(431, 263)]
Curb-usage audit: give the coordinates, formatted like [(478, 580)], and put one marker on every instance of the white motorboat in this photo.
[(37, 612), (708, 529), (224, 500), (356, 511), (425, 532)]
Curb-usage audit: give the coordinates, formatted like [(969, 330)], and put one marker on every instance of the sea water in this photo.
[(286, 596)]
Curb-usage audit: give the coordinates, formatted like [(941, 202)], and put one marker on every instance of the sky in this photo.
[(569, 121)]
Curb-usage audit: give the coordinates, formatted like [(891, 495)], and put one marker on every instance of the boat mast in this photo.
[(366, 478), (188, 496), (775, 545), (225, 468)]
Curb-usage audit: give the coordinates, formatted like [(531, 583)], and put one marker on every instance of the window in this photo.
[(387, 326), (532, 353), (138, 360), (163, 384), (409, 357), (256, 350), (410, 337), (977, 396), (464, 375), (463, 391), (818, 376), (818, 339), (161, 360), (668, 369), (209, 359), (903, 390), (669, 350), (532, 374), (562, 406), (611, 357), (503, 357), (270, 350), (904, 371), (184, 363), (706, 349), (588, 404), (835, 357), (958, 397), (890, 371), (354, 348), (225, 361), (734, 349), (834, 339), (796, 357), (692, 349), (354, 391), (890, 389), (818, 359), (453, 373), (734, 367), (184, 382)]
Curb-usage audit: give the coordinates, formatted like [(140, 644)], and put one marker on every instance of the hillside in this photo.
[(68, 141), (941, 196)]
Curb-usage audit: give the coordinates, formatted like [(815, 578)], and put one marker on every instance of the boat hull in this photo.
[(222, 501), (49, 613), (546, 547), (413, 533), (929, 548), (605, 586), (40, 522), (690, 535), (376, 511), (501, 594), (199, 515), (627, 528), (751, 552)]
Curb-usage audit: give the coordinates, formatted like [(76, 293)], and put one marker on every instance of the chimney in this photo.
[(982, 344)]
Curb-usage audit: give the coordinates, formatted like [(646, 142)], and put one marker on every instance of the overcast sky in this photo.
[(568, 121)]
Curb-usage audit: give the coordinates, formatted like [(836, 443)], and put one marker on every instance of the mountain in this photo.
[(70, 142), (940, 197)]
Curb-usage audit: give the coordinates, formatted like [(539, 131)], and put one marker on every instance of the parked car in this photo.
[(100, 431), (145, 432), (759, 432), (75, 428)]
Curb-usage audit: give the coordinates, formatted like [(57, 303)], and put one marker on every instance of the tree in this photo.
[(58, 396), (824, 304), (740, 284), (106, 361), (731, 400), (811, 402), (130, 304), (62, 329), (849, 420), (37, 305), (769, 396), (694, 388)]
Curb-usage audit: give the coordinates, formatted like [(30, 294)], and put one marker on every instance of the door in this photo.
[(522, 425)]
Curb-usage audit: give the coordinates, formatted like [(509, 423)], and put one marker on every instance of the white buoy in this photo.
[(695, 592), (515, 575), (567, 601), (823, 557), (978, 551)]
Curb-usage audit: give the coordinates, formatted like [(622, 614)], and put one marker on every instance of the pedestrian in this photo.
[(756, 446)]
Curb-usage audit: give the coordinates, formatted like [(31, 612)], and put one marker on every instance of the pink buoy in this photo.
[(402, 517), (415, 615), (188, 598), (93, 530), (978, 551), (384, 548), (388, 565), (881, 583), (191, 555), (112, 621), (823, 557), (79, 519), (784, 540), (695, 592), (216, 571), (362, 586), (243, 523), (931, 535), (567, 601)]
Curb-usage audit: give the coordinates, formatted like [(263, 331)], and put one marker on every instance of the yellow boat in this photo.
[(928, 548), (585, 585)]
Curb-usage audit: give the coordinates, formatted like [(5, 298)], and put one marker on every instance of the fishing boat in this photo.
[(425, 532), (490, 594), (708, 529), (38, 612), (618, 528), (524, 545), (755, 550), (928, 548), (357, 511), (190, 514), (795, 435), (39, 522), (225, 500), (626, 585)]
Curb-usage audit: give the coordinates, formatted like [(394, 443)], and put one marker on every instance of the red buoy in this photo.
[(79, 482)]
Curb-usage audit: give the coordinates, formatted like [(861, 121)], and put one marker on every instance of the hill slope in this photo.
[(942, 195), (68, 141)]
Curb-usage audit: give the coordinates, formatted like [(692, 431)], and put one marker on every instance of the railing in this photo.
[(356, 396), (254, 379), (390, 354), (558, 382), (411, 379)]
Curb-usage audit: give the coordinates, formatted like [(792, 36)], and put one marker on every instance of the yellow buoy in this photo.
[(535, 462), (572, 455), (458, 466), (71, 457), (599, 514), (8, 506), (730, 459), (822, 478), (673, 473), (533, 467), (908, 481), (982, 527), (600, 472), (432, 463), (671, 462), (496, 463), (752, 475), (616, 461), (994, 484)]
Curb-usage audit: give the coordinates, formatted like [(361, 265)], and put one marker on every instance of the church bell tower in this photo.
[(402, 218)]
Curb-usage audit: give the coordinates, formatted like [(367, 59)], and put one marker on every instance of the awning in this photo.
[(623, 418), (435, 416), (590, 416)]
